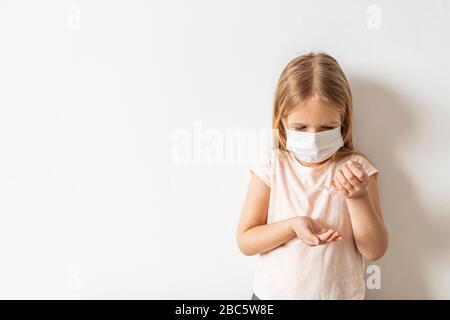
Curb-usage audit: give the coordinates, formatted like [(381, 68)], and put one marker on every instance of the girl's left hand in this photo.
[(351, 180)]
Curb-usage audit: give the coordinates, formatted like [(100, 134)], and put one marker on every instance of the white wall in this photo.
[(92, 94)]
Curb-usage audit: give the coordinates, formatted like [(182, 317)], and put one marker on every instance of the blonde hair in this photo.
[(314, 75)]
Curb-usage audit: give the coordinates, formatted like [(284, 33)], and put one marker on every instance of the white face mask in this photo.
[(314, 147)]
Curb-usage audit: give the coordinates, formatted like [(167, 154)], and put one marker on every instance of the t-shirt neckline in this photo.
[(309, 168)]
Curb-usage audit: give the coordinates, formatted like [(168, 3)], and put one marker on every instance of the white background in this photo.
[(92, 204)]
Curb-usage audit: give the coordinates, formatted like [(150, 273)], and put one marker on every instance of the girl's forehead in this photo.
[(314, 113)]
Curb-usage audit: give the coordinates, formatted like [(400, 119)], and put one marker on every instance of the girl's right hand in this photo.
[(312, 232)]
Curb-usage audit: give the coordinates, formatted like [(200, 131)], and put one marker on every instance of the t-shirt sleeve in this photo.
[(366, 164), (263, 169)]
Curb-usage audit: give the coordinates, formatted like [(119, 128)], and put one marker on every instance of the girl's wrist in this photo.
[(364, 196), (292, 221)]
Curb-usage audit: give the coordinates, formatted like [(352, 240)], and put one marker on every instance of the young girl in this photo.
[(312, 209)]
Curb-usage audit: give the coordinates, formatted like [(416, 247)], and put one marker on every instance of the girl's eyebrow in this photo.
[(324, 125)]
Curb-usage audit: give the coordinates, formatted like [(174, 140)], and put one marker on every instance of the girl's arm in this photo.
[(367, 221), (254, 235), (363, 203)]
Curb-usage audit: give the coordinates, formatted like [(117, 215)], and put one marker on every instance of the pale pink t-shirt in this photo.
[(295, 270)]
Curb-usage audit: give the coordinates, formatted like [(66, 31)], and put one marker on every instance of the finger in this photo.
[(321, 231), (340, 188), (336, 183), (351, 178), (310, 238), (334, 236), (311, 241), (343, 181), (307, 240), (356, 168), (327, 235)]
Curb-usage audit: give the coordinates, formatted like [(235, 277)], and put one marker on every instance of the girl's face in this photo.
[(313, 116)]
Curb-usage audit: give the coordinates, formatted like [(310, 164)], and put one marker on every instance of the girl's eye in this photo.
[(304, 128)]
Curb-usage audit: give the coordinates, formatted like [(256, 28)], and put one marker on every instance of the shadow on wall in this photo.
[(383, 124)]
